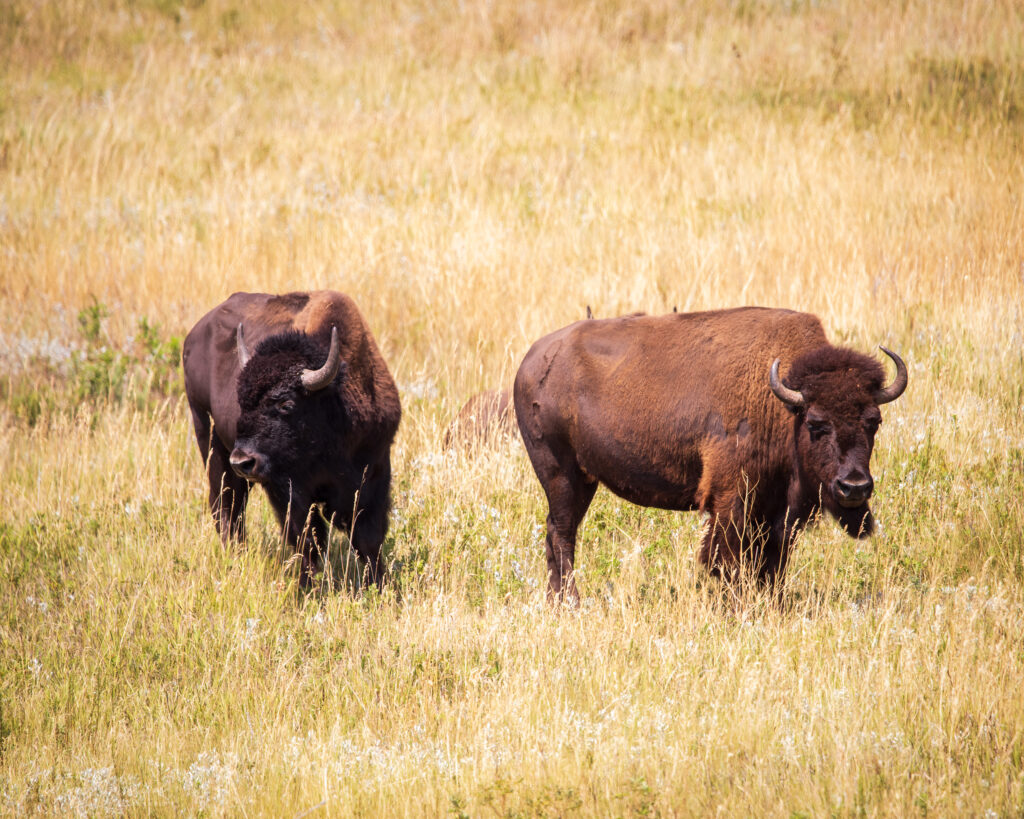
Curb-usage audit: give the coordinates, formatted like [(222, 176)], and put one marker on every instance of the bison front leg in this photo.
[(742, 544), (722, 545), (365, 515), (367, 538), (303, 528), (311, 544), (228, 496), (778, 545)]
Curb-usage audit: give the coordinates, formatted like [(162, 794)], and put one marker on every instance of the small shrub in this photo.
[(98, 373)]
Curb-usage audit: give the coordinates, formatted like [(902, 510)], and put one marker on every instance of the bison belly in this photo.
[(635, 454)]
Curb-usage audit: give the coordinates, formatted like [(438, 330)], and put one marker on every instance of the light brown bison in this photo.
[(687, 411), (310, 413), (483, 418)]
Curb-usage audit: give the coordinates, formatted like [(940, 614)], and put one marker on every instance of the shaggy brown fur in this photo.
[(676, 412)]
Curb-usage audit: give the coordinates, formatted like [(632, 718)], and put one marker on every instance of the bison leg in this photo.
[(311, 543), (569, 492), (368, 534), (724, 536), (568, 500), (778, 544), (228, 492), (303, 528), (740, 542), (365, 515), (371, 521)]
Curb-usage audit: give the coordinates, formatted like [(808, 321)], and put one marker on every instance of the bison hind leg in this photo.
[(569, 491), (228, 494)]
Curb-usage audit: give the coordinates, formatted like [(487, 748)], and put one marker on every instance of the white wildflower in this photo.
[(41, 605), (97, 792), (211, 778)]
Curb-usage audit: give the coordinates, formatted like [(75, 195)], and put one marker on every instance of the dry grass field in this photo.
[(474, 174)]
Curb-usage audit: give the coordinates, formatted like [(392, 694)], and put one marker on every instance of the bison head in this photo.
[(288, 414), (835, 394)]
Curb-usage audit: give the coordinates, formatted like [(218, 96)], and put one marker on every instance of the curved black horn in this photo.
[(791, 398), (314, 380), (243, 351), (899, 383)]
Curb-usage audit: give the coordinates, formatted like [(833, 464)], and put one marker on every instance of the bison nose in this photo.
[(244, 463), (854, 493)]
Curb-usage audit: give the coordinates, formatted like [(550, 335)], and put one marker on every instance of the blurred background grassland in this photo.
[(475, 174)]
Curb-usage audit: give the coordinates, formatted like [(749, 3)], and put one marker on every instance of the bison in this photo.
[(310, 413), (687, 411), (485, 417)]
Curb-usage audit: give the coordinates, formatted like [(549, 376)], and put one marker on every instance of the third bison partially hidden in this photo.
[(688, 412), (484, 418)]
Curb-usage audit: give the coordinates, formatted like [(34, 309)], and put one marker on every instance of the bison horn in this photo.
[(791, 398), (243, 351), (314, 380), (899, 383)]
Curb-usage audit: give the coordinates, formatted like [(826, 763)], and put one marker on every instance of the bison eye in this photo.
[(817, 429), (871, 425), (285, 406)]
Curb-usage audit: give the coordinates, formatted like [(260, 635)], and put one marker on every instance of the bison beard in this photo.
[(678, 412)]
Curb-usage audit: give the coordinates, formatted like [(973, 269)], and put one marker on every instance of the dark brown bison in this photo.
[(687, 411), (484, 417), (310, 413)]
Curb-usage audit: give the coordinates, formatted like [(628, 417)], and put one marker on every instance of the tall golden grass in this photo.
[(474, 175)]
